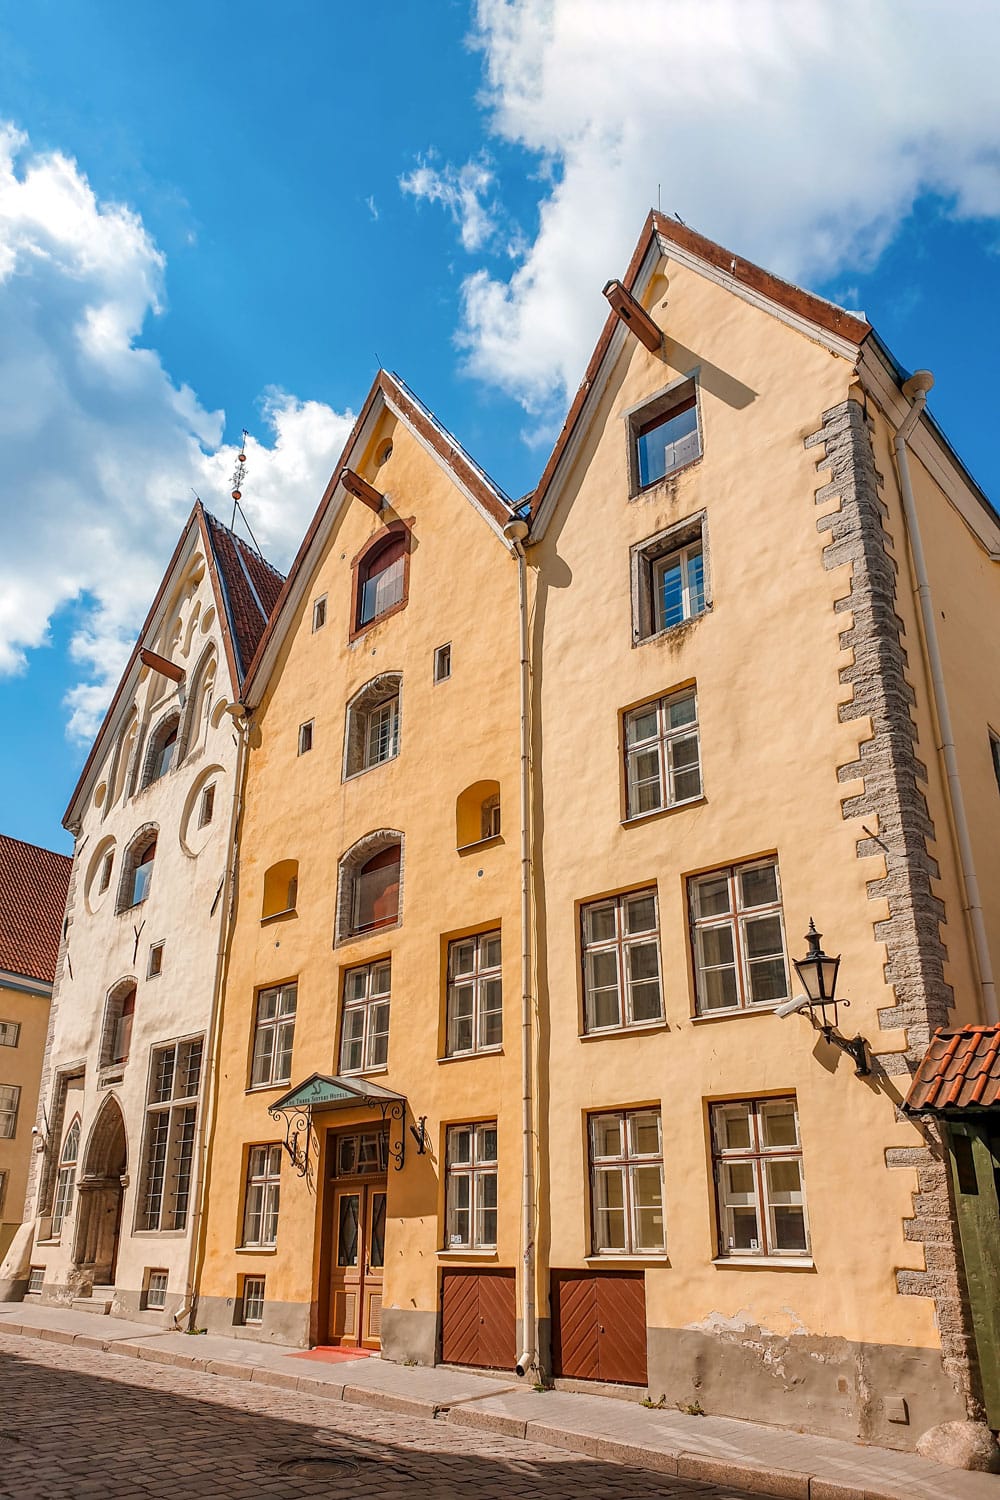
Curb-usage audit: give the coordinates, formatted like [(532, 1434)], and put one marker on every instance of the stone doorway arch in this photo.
[(100, 1193)]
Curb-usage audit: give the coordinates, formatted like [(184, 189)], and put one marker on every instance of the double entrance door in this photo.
[(357, 1243)]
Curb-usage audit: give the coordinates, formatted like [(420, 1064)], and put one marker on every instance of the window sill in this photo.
[(277, 916), (366, 934), (56, 1241), (363, 770), (766, 1262), (648, 491), (362, 1073), (663, 812), (267, 1088), (458, 1254), (467, 1056), (642, 1028), (159, 1234), (654, 1258), (256, 1249), (494, 838), (767, 1009)]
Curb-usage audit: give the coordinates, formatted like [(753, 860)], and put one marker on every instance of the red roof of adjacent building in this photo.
[(33, 887), (250, 588), (960, 1071)]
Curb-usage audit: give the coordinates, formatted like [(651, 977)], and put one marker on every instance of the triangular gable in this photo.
[(243, 585), (388, 393), (667, 238)]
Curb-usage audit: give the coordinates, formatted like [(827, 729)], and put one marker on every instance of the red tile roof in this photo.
[(960, 1071), (33, 887), (250, 588)]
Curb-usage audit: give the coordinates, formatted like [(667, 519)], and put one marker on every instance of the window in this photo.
[(160, 754), (118, 1018), (381, 580), (273, 1034), (36, 1279), (253, 1299), (475, 996), (207, 808), (106, 866), (662, 755), (376, 891), (260, 1204), (319, 613), (359, 1154), (489, 817), (3, 1189), (155, 966), (373, 724), (10, 1032), (626, 1183), (471, 1189), (757, 1156), (364, 1032), (62, 1205), (442, 662), (10, 1095), (138, 871), (995, 752), (669, 582), (738, 937), (477, 814), (156, 1289), (621, 962), (168, 1147), (306, 737), (665, 435), (281, 888)]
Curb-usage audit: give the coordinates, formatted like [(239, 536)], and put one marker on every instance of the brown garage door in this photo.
[(599, 1325), (477, 1319)]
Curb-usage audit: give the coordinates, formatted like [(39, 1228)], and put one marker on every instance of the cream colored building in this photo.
[(125, 1091), (33, 885)]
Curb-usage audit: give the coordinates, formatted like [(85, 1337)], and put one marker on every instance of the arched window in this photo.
[(118, 1017), (373, 724), (281, 888), (160, 755), (381, 575), (370, 885), (138, 869), (198, 704), (477, 814), (120, 778), (66, 1180)]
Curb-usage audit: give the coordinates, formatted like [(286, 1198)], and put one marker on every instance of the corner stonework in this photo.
[(892, 774)]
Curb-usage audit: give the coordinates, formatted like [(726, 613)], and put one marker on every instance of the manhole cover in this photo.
[(318, 1463)]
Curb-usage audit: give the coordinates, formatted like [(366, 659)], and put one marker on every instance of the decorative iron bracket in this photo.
[(391, 1109), (855, 1047), (298, 1122)]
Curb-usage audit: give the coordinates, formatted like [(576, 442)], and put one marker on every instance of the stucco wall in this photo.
[(21, 1066)]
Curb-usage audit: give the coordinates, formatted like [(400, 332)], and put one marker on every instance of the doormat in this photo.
[(333, 1353)]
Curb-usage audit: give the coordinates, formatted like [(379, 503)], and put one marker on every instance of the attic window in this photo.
[(381, 576), (306, 737), (442, 663), (664, 436), (319, 614)]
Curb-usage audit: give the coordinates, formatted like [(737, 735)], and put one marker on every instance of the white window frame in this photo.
[(107, 864), (306, 736), (381, 590), (366, 1017), (663, 744), (62, 1203), (157, 1282), (478, 981), (758, 1157), (319, 613), (10, 1033), (624, 1167), (261, 1196), (471, 1186), (386, 745), (252, 1301), (154, 967), (273, 1036), (442, 662), (737, 920), (692, 584), (168, 1157), (206, 808), (10, 1104), (622, 943)]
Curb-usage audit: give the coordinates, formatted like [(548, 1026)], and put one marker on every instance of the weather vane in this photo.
[(239, 474)]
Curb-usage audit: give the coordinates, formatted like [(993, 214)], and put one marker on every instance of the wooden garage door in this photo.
[(599, 1326), (477, 1319)]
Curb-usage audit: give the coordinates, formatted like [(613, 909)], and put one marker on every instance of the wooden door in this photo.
[(599, 1326), (357, 1261), (478, 1314), (975, 1160)]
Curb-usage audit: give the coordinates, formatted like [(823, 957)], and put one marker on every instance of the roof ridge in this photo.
[(12, 838), (241, 541)]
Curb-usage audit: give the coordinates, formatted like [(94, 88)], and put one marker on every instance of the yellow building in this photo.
[(33, 886), (540, 805)]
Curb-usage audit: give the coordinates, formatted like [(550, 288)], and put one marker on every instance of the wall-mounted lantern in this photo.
[(818, 975)]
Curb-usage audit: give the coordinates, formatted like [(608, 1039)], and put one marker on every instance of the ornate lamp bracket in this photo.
[(391, 1109), (297, 1119)]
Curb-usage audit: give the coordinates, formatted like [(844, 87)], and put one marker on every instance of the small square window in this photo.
[(669, 579), (253, 1299), (207, 809), (319, 613), (305, 737), (155, 966), (442, 663), (664, 435), (156, 1289), (36, 1280), (10, 1032), (105, 879)]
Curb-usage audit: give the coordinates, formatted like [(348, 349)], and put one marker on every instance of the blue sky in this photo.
[(222, 216)]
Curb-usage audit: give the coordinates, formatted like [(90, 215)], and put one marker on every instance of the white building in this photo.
[(122, 1128)]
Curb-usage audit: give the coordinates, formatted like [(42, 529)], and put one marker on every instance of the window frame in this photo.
[(261, 1196), (319, 613), (662, 744), (9, 1112), (366, 1006), (157, 949), (256, 1300), (269, 1027), (206, 805), (442, 662), (625, 1164), (170, 1124), (154, 1297), (65, 1184), (621, 944), (681, 396), (756, 1154), (736, 918), (357, 927), (10, 1033), (471, 1176), (476, 979), (649, 557), (306, 738), (396, 532), (995, 755)]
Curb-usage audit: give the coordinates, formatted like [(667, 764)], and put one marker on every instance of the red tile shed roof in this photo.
[(960, 1071), (33, 887)]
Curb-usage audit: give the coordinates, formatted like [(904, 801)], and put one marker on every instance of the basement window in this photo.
[(156, 1289), (36, 1280), (253, 1299)]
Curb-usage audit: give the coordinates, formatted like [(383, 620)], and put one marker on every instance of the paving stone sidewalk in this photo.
[(720, 1450)]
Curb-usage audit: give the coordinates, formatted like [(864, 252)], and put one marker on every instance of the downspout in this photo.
[(206, 1116), (515, 531), (915, 390)]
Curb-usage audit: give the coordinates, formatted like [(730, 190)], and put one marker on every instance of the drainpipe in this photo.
[(915, 390), (515, 531), (206, 1116)]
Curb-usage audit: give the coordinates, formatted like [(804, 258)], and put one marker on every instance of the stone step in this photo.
[(99, 1301)]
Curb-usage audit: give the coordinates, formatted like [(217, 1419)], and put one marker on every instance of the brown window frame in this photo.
[(395, 531)]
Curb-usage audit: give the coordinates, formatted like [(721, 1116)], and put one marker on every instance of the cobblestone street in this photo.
[(77, 1422)]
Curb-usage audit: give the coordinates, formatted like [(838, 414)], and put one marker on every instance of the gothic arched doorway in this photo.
[(100, 1191)]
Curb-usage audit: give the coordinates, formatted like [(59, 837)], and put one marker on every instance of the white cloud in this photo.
[(463, 192), (101, 449), (798, 134)]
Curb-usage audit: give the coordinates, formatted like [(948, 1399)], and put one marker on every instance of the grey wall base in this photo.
[(284, 1322), (829, 1386), (14, 1290), (410, 1335)]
